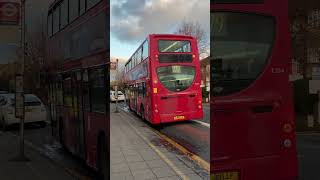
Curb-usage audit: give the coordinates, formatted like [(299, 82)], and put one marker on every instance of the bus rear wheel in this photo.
[(142, 112), (4, 124), (103, 161), (61, 135)]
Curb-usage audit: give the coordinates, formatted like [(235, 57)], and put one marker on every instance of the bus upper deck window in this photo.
[(174, 46)]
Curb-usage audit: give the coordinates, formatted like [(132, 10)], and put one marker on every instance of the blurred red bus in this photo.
[(77, 56), (252, 114), (163, 79)]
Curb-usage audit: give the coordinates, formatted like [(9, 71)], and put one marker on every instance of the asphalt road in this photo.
[(308, 146), (192, 135)]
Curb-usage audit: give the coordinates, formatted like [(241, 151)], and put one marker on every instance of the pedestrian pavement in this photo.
[(138, 153), (38, 168)]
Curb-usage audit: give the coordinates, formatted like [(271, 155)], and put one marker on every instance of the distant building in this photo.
[(305, 26)]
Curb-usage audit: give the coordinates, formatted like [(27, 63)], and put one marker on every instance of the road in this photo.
[(192, 135), (308, 146)]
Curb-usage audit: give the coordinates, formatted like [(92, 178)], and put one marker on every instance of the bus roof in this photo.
[(171, 35)]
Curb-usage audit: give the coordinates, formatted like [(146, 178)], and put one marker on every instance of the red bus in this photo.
[(252, 111), (77, 69), (163, 79)]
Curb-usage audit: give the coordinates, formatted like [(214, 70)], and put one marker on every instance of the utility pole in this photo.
[(116, 88), (19, 94)]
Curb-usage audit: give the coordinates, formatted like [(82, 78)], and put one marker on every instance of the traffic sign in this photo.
[(9, 13)]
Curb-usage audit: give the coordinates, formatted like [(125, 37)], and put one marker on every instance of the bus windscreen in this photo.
[(241, 46)]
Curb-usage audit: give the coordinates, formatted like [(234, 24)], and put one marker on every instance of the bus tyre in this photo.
[(4, 124), (61, 134), (42, 124), (142, 112), (103, 160), (129, 106)]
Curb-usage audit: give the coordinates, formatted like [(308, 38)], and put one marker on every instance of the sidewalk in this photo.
[(39, 168), (138, 153)]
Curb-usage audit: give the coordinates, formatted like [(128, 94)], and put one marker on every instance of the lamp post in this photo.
[(116, 88)]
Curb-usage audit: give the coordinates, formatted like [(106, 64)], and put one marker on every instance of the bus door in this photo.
[(79, 114), (252, 132)]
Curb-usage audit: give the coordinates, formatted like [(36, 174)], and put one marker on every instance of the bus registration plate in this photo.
[(179, 118), (225, 176)]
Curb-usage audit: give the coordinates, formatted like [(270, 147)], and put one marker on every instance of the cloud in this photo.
[(133, 20)]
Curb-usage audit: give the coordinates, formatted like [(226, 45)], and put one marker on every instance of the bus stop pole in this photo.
[(23, 34), (116, 88), (19, 94)]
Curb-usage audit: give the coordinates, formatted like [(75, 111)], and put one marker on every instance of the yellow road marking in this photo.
[(162, 156), (204, 164)]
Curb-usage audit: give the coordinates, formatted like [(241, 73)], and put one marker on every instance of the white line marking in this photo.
[(202, 123)]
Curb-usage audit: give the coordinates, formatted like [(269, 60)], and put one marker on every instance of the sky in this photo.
[(133, 20)]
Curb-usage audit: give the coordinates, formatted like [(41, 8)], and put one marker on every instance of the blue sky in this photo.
[(133, 20)]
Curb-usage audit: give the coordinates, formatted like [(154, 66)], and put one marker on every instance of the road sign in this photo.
[(9, 13)]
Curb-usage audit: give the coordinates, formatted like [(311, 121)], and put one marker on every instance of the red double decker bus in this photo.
[(163, 79), (252, 111), (77, 68)]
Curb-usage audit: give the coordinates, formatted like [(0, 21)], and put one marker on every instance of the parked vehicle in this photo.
[(113, 97), (35, 111)]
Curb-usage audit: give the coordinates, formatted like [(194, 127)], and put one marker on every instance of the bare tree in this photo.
[(194, 29), (35, 55), (119, 79)]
